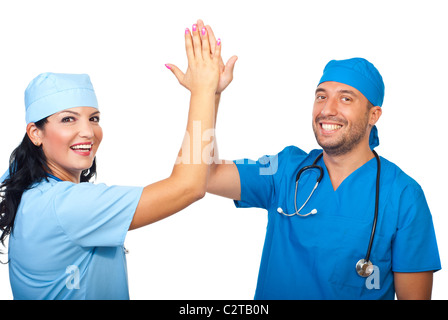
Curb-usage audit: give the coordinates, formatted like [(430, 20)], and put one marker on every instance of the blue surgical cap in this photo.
[(49, 93), (361, 75)]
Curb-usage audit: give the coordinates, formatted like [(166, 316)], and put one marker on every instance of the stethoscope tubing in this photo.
[(377, 198), (363, 265)]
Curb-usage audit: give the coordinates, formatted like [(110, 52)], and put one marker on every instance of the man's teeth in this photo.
[(330, 127), (82, 146)]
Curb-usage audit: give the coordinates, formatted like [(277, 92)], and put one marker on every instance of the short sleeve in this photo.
[(95, 214), (414, 248), (258, 179)]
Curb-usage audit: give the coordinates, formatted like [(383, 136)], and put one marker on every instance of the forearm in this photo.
[(215, 153), (194, 158), (188, 180), (223, 177), (217, 100)]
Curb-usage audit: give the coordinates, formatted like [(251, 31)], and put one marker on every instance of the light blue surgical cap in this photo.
[(49, 93), (361, 75)]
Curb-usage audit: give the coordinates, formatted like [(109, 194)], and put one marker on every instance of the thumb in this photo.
[(176, 71), (231, 64)]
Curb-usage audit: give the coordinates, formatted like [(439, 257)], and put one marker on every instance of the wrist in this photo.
[(203, 93)]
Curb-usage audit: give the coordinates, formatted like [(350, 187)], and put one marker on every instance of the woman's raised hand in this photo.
[(225, 70), (204, 58), (187, 182)]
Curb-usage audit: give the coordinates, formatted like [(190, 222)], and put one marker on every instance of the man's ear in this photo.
[(34, 133), (375, 114)]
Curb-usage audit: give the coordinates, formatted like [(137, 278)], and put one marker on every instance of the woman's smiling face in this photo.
[(70, 140)]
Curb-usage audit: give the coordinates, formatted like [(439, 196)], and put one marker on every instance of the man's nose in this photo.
[(330, 107)]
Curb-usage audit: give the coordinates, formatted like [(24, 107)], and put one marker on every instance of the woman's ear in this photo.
[(34, 133)]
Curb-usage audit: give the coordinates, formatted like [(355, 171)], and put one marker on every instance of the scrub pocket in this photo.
[(347, 242)]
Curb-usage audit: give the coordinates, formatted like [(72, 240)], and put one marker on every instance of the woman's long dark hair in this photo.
[(27, 166)]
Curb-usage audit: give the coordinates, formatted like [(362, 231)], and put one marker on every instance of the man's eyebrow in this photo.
[(353, 93), (344, 91)]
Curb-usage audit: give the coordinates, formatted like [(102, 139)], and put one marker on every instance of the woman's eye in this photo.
[(68, 119), (95, 119)]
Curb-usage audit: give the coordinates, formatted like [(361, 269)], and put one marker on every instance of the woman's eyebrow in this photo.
[(77, 114), (69, 111)]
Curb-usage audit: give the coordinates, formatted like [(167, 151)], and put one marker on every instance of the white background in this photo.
[(212, 250)]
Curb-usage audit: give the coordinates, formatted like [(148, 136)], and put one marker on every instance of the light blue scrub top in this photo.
[(314, 257), (67, 241)]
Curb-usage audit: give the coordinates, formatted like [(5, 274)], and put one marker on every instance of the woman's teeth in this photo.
[(82, 147)]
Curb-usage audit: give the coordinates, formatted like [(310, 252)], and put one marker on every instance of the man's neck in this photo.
[(341, 166)]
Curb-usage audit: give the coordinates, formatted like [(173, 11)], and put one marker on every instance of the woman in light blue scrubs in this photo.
[(66, 234)]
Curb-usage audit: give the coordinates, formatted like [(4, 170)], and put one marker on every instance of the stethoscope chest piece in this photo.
[(364, 268)]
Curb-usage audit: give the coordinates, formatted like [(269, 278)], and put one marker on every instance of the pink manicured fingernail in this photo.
[(203, 31), (195, 27), (218, 42), (187, 31), (168, 66)]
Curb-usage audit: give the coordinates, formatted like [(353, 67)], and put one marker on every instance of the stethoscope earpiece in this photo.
[(280, 210)]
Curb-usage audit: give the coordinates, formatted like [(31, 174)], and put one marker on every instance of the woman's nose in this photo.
[(86, 130)]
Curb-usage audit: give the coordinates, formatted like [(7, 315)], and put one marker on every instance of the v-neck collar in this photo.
[(369, 165)]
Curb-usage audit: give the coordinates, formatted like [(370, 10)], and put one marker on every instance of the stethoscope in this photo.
[(364, 267)]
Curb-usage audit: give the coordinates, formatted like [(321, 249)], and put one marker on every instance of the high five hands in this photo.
[(203, 49)]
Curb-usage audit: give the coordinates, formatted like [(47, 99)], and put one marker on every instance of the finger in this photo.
[(200, 24), (212, 38), (189, 45), (217, 51), (205, 44), (197, 46)]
